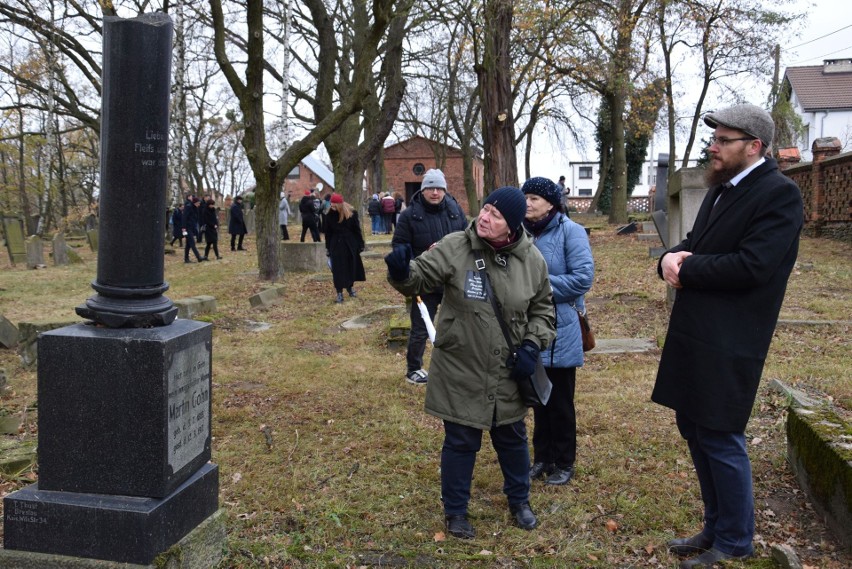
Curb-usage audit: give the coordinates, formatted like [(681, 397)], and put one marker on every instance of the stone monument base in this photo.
[(124, 529), (306, 257)]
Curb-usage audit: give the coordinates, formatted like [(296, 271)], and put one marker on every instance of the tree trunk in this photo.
[(618, 207), (495, 84)]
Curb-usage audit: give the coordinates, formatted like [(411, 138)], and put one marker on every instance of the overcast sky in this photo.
[(826, 34)]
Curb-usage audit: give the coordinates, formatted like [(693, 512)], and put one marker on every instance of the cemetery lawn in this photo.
[(328, 460)]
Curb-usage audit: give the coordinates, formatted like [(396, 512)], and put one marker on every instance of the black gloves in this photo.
[(398, 261), (527, 355)]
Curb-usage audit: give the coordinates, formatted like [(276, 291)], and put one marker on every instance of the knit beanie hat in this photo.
[(544, 188), (511, 204), (434, 178), (336, 198)]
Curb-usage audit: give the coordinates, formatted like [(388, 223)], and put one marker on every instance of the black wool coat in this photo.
[(344, 243), (237, 222), (724, 317)]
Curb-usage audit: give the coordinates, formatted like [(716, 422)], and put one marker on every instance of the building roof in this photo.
[(820, 88), (320, 169)]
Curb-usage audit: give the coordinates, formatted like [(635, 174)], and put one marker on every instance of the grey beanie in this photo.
[(750, 119), (434, 178)]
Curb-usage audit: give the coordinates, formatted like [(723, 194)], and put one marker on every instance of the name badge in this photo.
[(473, 288)]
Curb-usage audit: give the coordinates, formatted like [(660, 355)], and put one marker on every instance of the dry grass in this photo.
[(351, 477)]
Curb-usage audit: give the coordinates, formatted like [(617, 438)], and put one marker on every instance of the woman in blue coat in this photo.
[(565, 247)]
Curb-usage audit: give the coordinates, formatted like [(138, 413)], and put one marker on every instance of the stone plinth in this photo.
[(123, 411), (303, 257), (99, 526), (686, 192)]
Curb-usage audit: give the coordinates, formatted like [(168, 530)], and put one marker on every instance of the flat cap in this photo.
[(749, 119)]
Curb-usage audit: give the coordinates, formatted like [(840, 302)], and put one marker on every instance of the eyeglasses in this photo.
[(724, 141), (433, 189)]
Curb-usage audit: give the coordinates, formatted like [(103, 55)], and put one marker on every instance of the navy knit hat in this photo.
[(511, 204), (544, 188)]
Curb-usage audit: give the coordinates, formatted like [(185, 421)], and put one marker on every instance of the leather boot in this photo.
[(459, 526), (523, 515), (339, 298)]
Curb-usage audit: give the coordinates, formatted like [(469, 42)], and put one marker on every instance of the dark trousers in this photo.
[(311, 225), (555, 432), (284, 235), (214, 243), (417, 335), (724, 475), (190, 246), (458, 456), (234, 238), (179, 239)]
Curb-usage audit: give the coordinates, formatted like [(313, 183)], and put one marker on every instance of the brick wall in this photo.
[(307, 179), (826, 185), (402, 158)]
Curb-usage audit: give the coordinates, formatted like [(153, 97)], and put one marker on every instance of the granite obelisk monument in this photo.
[(124, 400)]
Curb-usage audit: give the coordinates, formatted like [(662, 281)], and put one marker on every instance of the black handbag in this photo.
[(535, 389)]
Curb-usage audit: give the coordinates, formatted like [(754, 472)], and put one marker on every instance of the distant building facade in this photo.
[(406, 161), (307, 175)]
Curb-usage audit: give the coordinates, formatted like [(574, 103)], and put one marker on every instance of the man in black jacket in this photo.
[(432, 214), (730, 274), (189, 220), (309, 207)]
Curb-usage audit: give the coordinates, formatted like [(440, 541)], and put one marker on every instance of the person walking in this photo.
[(177, 226), (309, 207), (473, 376), (565, 247), (388, 211), (211, 229), (433, 213), (730, 275), (189, 228), (284, 216), (344, 243), (237, 224)]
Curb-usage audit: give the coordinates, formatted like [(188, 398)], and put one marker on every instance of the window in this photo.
[(294, 173), (584, 192), (419, 169), (585, 173)]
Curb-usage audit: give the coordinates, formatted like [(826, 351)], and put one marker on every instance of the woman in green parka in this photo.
[(472, 377)]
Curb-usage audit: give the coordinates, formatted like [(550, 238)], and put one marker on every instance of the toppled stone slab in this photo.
[(785, 556), (193, 306), (266, 297), (8, 333), (823, 467), (364, 320), (799, 398), (16, 456), (623, 346)]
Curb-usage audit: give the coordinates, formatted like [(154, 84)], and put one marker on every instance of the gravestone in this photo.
[(8, 333), (35, 252), (92, 238), (60, 250), (661, 194), (124, 400), (13, 229)]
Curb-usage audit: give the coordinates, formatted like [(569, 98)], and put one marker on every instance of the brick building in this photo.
[(307, 175), (406, 161)]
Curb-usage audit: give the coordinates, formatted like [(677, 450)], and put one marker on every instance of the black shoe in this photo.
[(524, 516), (459, 526), (218, 256), (202, 259), (709, 559), (560, 476), (241, 249), (351, 292), (541, 469), (188, 261), (686, 546), (339, 298)]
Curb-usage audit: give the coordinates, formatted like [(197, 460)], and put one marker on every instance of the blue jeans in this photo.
[(724, 475), (376, 224), (461, 443)]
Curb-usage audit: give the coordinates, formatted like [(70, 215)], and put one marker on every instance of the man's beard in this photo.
[(714, 177)]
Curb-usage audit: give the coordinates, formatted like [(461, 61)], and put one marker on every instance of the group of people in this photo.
[(197, 220), (384, 211), (730, 276)]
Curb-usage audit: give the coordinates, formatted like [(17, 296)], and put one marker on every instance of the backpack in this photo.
[(388, 205)]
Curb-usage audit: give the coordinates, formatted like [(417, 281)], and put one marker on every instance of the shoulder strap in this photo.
[(486, 284)]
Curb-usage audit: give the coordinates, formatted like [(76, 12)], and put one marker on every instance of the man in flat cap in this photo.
[(730, 274)]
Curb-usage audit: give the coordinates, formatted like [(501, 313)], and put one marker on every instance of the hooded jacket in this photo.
[(469, 381), (421, 224)]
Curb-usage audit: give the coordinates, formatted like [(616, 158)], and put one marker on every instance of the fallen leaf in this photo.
[(756, 440), (649, 549), (236, 477), (485, 552), (592, 557), (612, 525), (439, 536)]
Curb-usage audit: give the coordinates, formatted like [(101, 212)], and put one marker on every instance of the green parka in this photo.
[(469, 382)]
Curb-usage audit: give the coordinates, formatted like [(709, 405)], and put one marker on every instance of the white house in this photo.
[(583, 177), (822, 96)]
